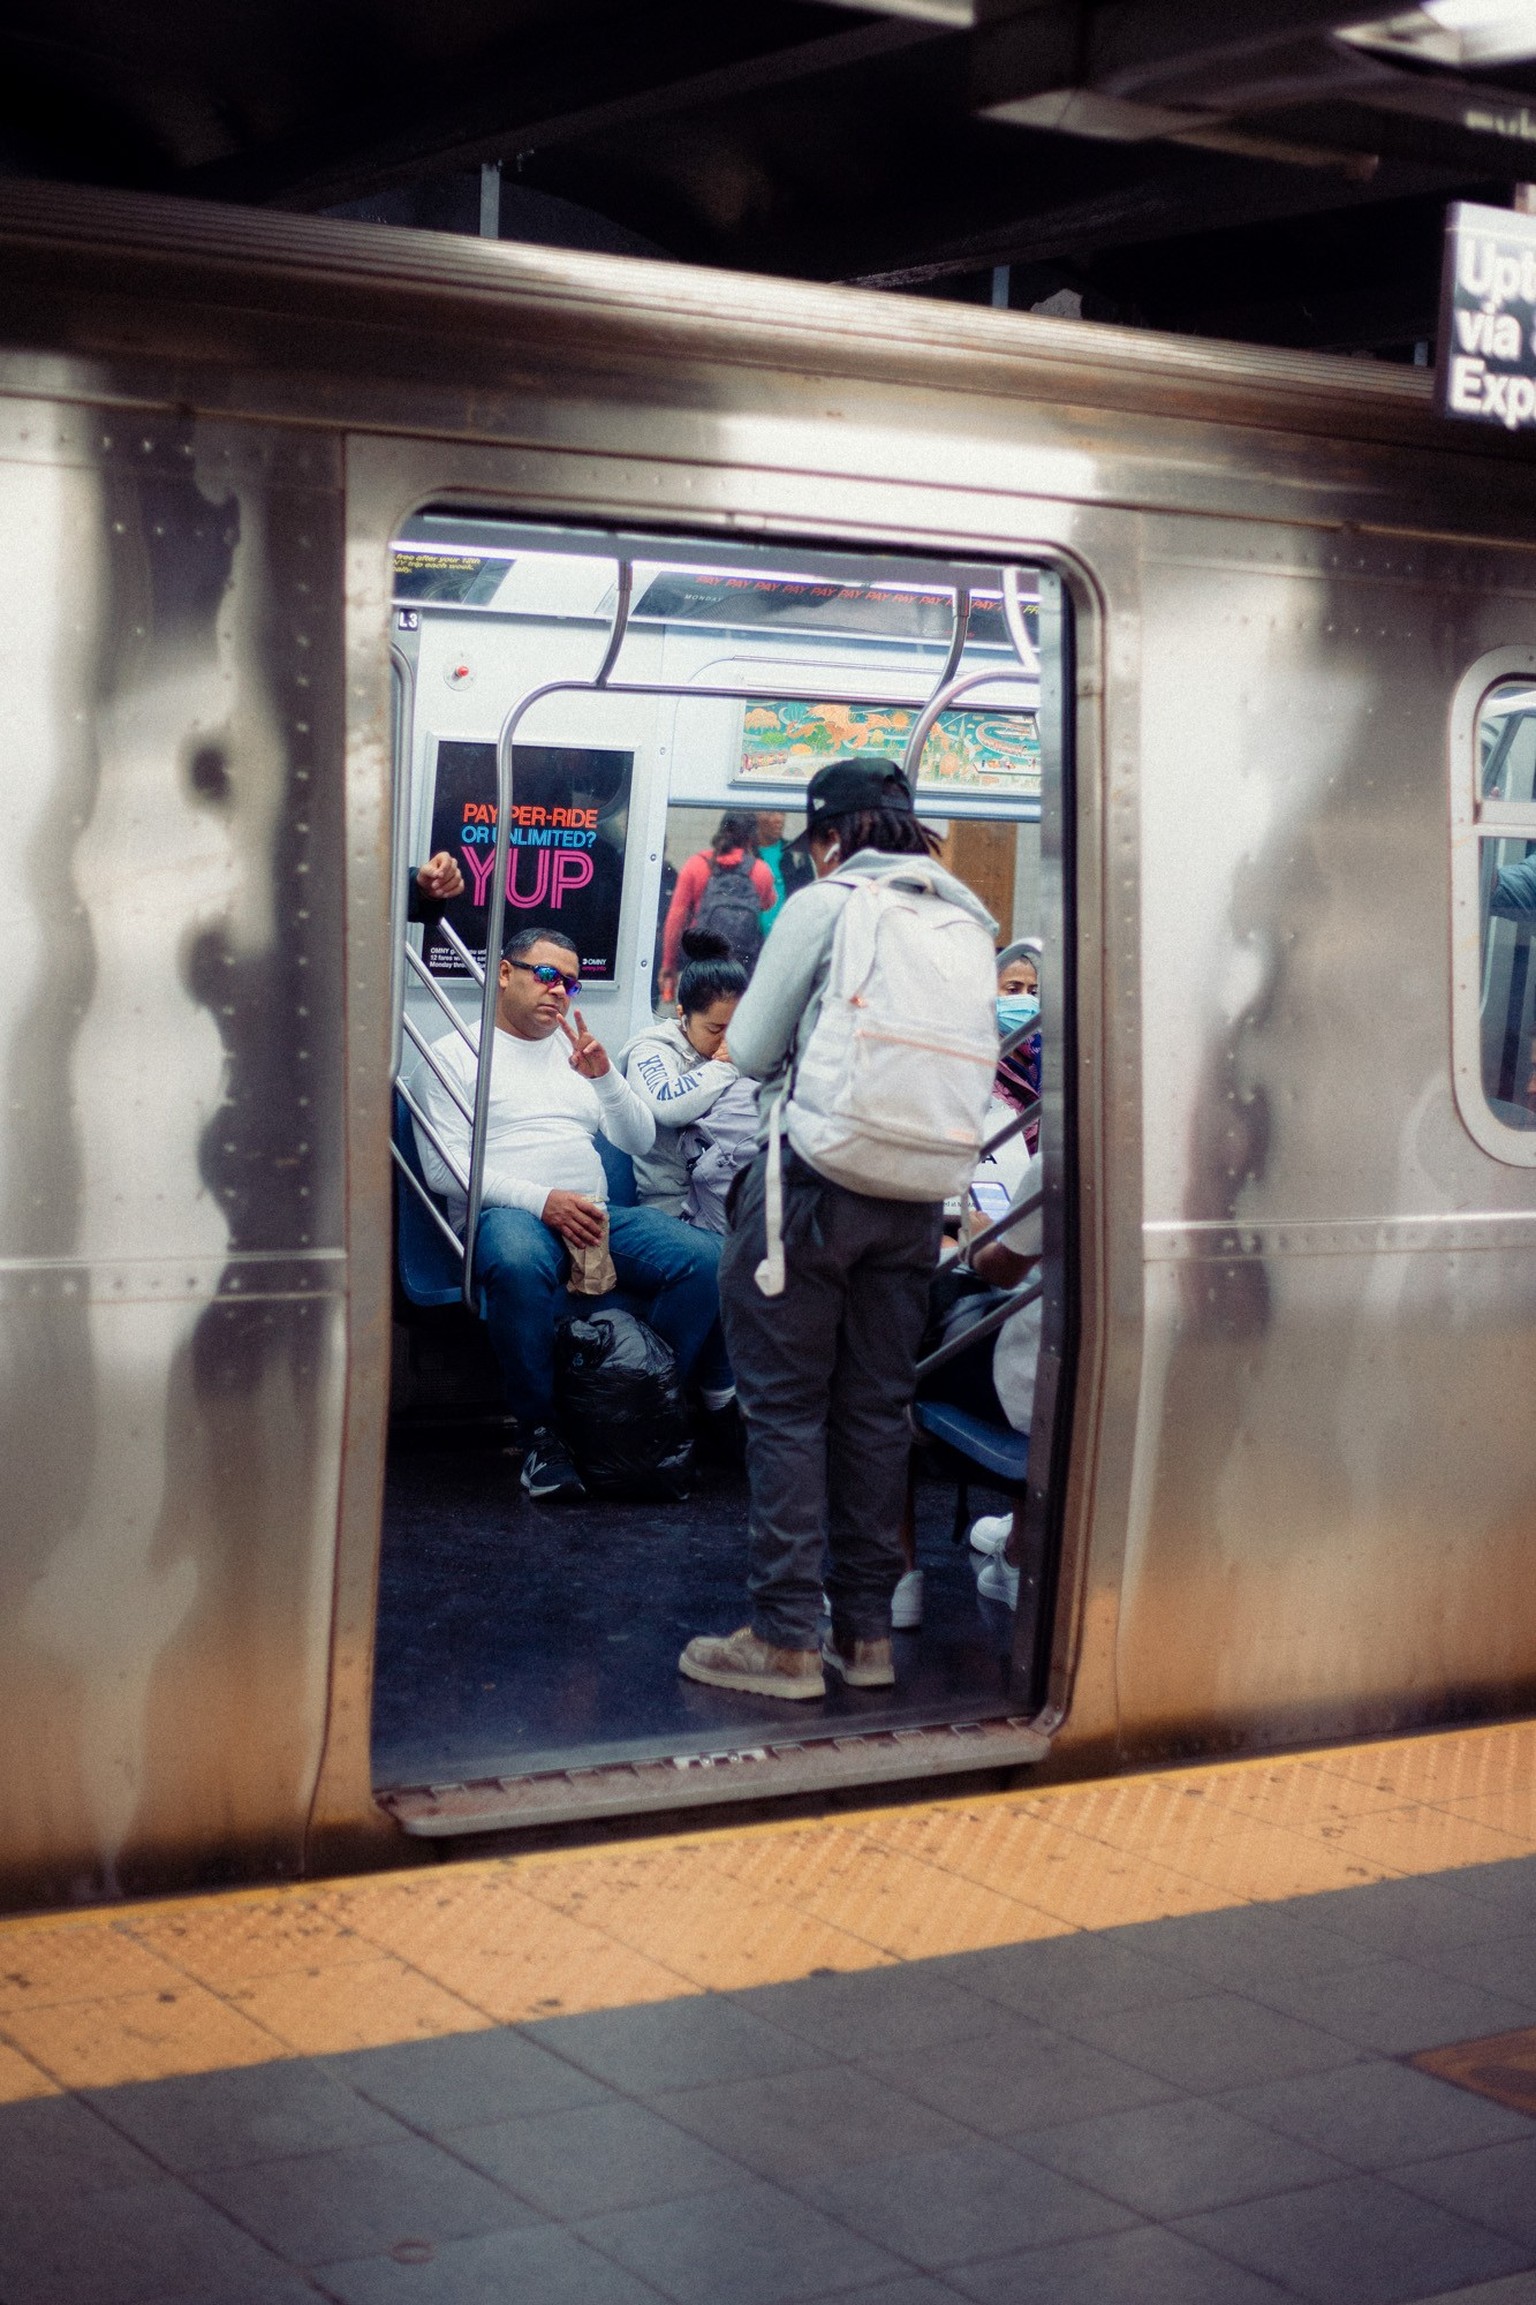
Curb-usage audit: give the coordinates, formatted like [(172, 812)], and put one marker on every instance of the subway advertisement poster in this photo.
[(565, 853)]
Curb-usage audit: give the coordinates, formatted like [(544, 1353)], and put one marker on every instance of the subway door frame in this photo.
[(1055, 1381)]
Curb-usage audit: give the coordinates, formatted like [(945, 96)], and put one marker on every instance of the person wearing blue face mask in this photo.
[(1018, 1003)]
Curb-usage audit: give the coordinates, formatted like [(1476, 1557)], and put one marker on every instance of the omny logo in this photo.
[(562, 840), (1488, 338)]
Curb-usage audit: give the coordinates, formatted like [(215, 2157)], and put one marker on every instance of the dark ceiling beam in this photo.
[(343, 161), (1138, 72), (1167, 202), (1134, 45), (1343, 320)]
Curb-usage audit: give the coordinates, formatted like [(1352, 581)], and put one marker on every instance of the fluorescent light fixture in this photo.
[(1461, 33)]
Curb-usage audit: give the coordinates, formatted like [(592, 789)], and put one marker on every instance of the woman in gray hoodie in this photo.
[(680, 1068)]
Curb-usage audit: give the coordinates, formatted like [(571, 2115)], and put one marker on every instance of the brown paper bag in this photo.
[(592, 1273)]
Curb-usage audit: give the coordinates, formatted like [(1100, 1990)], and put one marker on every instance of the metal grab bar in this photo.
[(604, 684), (1018, 631), (940, 702), (958, 638), (428, 1055), (415, 961), (1017, 1038), (977, 1332), (457, 944), (404, 723), (626, 586), (1001, 1225), (1010, 1129), (429, 1130), (426, 1200)]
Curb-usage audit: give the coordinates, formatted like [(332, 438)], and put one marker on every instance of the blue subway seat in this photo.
[(972, 1449), (429, 1272)]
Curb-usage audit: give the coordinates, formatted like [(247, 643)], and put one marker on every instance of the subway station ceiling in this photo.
[(1274, 171)]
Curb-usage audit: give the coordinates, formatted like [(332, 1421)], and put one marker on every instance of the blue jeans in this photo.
[(522, 1267)]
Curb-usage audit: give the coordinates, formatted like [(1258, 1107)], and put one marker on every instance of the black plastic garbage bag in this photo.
[(620, 1408)]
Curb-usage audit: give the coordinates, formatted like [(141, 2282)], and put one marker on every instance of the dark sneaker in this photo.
[(742, 1661), (548, 1472), (862, 1664)]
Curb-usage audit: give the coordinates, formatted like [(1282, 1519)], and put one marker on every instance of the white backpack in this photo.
[(889, 1095)]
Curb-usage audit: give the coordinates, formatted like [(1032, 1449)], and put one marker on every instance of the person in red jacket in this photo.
[(725, 888)]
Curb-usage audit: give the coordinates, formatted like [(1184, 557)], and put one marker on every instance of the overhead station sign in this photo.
[(1487, 363)]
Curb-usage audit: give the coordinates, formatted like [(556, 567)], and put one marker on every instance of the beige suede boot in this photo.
[(862, 1664), (742, 1661)]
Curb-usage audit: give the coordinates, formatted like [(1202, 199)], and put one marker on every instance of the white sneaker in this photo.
[(990, 1533), (999, 1582), (907, 1603)]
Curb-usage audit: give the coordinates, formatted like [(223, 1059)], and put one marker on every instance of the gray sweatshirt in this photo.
[(780, 1006), (678, 1085)]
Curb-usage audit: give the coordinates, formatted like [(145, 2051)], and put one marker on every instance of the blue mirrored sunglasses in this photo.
[(546, 974)]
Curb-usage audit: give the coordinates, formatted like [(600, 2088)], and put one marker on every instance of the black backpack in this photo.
[(730, 907), (620, 1407)]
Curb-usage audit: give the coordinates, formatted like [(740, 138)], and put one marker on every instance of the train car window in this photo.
[(647, 720), (1494, 905)]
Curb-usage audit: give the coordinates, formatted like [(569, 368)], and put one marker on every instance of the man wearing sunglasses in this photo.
[(553, 1093)]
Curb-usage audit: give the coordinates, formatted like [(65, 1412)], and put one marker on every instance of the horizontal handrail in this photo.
[(427, 1202), (444, 1003), (448, 1160), (428, 1054), (977, 1332)]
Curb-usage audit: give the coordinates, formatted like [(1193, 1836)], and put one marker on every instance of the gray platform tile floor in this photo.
[(1504, 1965), (1167, 2161), (1198, 2112), (252, 2113), (808, 2124), (596, 2159), (464, 2079), (1377, 2115), (1513, 2289), (1394, 2005), (1358, 2241), (1019, 2076), (1495, 2185)]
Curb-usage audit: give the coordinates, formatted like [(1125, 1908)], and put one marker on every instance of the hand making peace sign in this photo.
[(588, 1055)]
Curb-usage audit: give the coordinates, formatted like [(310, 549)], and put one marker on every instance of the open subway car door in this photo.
[(578, 713)]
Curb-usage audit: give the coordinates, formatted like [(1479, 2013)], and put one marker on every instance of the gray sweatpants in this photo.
[(824, 1376)]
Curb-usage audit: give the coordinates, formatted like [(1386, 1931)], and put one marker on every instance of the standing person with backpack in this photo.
[(871, 1023), (725, 889)]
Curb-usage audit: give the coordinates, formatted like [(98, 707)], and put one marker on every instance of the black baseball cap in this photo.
[(847, 787)]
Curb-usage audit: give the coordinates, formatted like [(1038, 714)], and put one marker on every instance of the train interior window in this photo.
[(1506, 862), (658, 713)]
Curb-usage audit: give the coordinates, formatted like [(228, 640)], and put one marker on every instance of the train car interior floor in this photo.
[(516, 1637)]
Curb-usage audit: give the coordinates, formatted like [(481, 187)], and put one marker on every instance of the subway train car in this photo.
[(325, 544)]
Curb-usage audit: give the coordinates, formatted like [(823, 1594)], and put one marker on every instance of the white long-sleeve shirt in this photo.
[(540, 1125)]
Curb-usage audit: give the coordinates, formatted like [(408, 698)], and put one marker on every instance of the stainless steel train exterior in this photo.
[(1295, 1486)]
